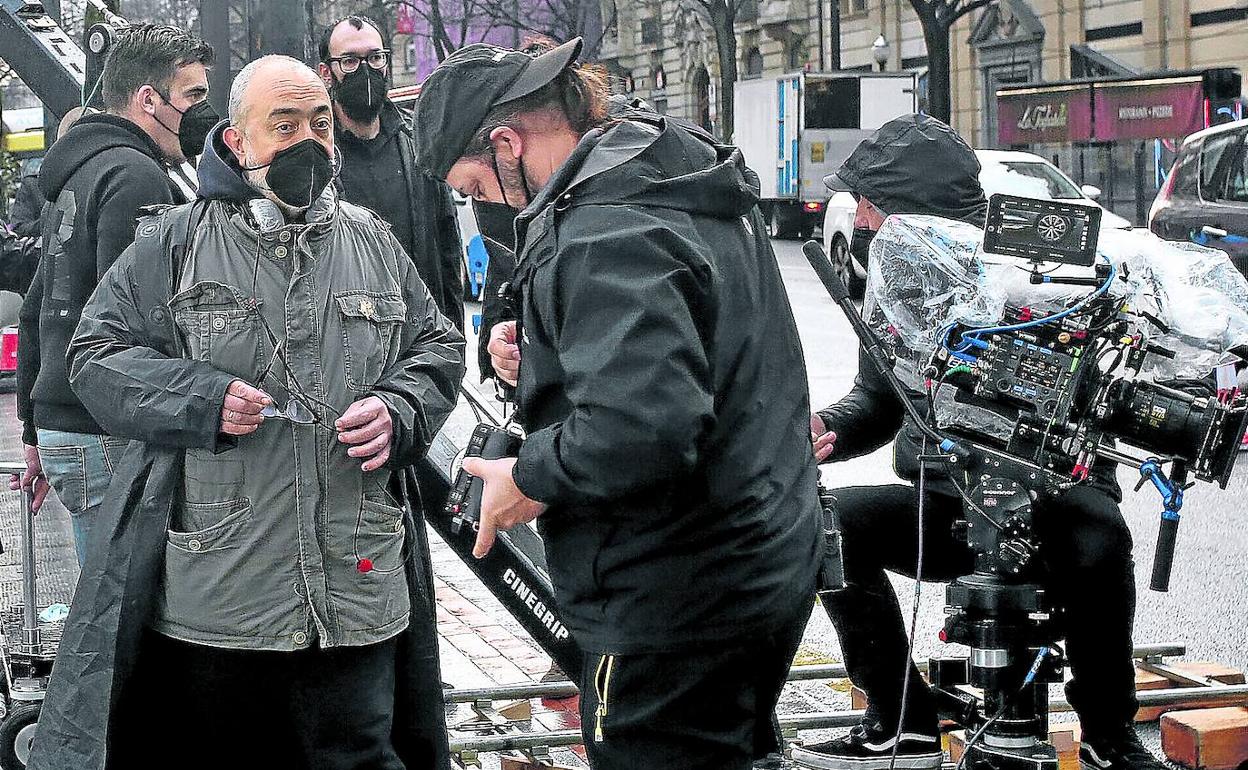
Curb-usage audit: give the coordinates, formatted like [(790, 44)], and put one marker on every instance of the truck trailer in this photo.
[(796, 129)]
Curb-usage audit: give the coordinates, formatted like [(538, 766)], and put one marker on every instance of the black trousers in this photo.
[(1086, 551), (705, 709), (313, 709)]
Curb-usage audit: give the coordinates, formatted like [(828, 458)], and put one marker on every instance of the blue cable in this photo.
[(975, 333)]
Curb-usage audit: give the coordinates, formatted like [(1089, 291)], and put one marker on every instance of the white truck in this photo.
[(796, 129)]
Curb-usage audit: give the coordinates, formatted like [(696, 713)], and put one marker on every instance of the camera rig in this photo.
[(1070, 382)]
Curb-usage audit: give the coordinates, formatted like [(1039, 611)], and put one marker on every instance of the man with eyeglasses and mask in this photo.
[(379, 170), (97, 178), (280, 360)]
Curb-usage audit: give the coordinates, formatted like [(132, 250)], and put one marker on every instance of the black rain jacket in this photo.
[(664, 392), (431, 238)]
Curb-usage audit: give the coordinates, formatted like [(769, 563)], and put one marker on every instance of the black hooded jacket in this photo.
[(96, 179), (913, 165), (381, 174), (664, 390)]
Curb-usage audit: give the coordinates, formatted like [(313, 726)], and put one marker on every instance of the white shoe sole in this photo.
[(810, 759)]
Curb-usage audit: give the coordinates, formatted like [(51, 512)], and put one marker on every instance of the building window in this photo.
[(611, 20), (754, 63), (797, 55), (853, 7), (747, 10), (650, 31), (409, 55)]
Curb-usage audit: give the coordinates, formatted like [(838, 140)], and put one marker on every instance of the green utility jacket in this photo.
[(280, 540)]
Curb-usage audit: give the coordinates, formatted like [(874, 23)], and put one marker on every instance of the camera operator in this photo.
[(918, 165), (661, 381)]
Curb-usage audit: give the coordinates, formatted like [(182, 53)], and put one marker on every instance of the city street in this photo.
[(1204, 609)]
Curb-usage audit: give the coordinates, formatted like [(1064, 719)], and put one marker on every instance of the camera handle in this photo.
[(1171, 490)]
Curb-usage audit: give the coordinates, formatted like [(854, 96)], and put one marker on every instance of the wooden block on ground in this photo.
[(1147, 680), (1208, 739), (1217, 672), (517, 711), (520, 762), (857, 698)]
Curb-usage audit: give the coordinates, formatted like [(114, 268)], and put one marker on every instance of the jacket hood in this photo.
[(89, 137), (220, 177), (650, 160), (915, 164)]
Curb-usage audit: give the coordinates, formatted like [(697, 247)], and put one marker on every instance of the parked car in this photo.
[(1205, 198), (1011, 173)]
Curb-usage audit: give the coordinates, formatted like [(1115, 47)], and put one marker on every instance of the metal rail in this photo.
[(823, 720), (796, 674)]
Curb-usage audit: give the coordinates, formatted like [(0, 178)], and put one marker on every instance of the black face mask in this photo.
[(198, 121), (298, 174), (524, 181), (361, 93), (860, 244)]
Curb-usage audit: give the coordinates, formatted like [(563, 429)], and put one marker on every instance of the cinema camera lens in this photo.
[(1176, 424)]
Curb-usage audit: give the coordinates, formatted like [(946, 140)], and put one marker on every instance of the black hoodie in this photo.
[(664, 390), (96, 179)]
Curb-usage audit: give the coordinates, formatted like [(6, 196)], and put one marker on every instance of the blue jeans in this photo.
[(79, 466)]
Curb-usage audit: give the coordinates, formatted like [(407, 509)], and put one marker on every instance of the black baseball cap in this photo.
[(915, 164), (464, 88)]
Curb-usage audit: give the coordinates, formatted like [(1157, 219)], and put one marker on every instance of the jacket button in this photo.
[(280, 252), (194, 545), (284, 237), (218, 323), (300, 638), (398, 526)]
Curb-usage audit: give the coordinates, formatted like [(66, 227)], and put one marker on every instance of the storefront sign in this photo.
[(1161, 109), (1038, 115)]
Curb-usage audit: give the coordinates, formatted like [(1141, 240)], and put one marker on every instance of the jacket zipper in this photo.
[(602, 688)]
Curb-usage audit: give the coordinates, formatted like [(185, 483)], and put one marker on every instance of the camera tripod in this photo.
[(1004, 614)]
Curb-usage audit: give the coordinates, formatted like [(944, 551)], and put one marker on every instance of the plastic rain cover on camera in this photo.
[(923, 275), (1194, 290), (928, 273)]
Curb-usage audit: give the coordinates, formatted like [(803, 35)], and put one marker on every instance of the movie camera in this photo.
[(1033, 362)]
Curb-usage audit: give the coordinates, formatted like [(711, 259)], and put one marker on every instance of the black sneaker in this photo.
[(1120, 752), (869, 747)]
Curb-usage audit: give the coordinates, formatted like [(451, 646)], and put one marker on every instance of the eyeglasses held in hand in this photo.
[(295, 411)]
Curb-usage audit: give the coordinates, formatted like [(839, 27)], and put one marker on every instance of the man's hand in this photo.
[(368, 427), (240, 415), (823, 440), (505, 352), (33, 478), (503, 505)]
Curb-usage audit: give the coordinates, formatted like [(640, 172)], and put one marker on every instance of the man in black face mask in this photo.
[(378, 170), (96, 178), (282, 363)]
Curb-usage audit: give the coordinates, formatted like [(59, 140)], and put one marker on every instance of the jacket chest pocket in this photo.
[(220, 327), (371, 326)]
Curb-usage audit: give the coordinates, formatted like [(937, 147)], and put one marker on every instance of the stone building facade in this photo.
[(664, 50)]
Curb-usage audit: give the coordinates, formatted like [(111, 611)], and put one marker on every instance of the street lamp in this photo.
[(880, 51)]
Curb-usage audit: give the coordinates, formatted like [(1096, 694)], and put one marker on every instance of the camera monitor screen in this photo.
[(1042, 230)]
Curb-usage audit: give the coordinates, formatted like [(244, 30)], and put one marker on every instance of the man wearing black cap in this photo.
[(660, 379), (918, 165)]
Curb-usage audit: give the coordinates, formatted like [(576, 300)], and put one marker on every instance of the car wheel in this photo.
[(843, 264), (784, 223), (17, 731)]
